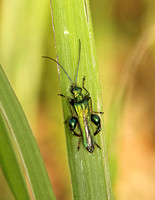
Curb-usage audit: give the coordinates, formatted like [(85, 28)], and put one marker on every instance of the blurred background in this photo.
[(125, 45)]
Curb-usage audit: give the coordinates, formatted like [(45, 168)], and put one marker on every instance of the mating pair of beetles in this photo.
[(82, 114)]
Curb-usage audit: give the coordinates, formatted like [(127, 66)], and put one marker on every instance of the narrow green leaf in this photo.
[(71, 22), (25, 141), (9, 163)]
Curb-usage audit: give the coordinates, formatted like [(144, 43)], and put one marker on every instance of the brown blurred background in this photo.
[(125, 42)]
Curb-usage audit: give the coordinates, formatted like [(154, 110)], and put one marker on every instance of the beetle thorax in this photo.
[(77, 93)]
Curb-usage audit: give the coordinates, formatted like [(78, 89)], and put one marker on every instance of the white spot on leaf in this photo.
[(66, 32)]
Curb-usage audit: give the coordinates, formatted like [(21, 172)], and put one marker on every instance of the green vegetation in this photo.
[(72, 21), (124, 47), (12, 112)]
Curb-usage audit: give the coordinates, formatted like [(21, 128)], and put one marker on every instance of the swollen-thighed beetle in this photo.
[(82, 114)]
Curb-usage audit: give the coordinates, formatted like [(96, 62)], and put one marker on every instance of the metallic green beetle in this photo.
[(82, 114)]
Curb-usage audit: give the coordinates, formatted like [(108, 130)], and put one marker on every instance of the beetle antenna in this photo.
[(60, 66), (78, 61)]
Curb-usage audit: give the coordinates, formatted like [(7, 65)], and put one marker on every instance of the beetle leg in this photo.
[(97, 112), (71, 109), (68, 98), (66, 121), (97, 130), (72, 125), (84, 87), (76, 134), (96, 120), (79, 144), (91, 108), (72, 128), (97, 145)]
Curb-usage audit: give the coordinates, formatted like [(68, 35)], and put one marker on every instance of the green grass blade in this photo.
[(25, 141), (9, 163), (71, 22)]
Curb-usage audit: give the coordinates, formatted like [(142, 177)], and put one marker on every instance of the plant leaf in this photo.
[(71, 22), (10, 165), (25, 141)]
